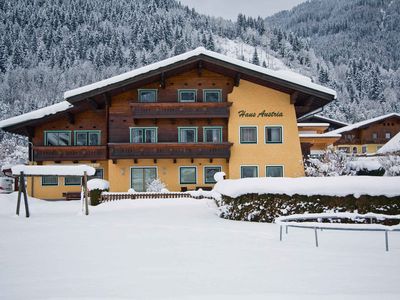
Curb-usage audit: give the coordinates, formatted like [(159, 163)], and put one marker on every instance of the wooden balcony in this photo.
[(170, 150), (180, 110), (73, 153)]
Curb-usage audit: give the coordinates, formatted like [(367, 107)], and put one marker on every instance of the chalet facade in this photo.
[(181, 120), (367, 137)]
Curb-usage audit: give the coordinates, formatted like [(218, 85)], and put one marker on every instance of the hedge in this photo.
[(95, 196), (266, 207)]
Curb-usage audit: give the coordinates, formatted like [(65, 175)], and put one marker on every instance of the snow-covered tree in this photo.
[(391, 164), (332, 163), (155, 186)]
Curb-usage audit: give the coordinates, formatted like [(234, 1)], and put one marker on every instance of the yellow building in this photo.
[(180, 120)]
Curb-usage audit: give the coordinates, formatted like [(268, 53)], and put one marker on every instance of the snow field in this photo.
[(180, 249)]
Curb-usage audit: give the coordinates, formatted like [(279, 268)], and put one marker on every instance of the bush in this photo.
[(155, 186), (267, 207), (95, 196), (331, 163)]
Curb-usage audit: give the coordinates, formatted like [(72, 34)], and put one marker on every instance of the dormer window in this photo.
[(147, 95)]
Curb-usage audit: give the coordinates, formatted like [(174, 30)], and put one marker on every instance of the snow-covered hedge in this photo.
[(264, 199), (96, 186)]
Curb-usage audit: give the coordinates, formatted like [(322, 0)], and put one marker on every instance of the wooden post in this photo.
[(25, 195), (85, 193), (19, 193)]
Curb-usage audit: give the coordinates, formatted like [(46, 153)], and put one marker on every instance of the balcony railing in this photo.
[(180, 110), (170, 150), (73, 153)]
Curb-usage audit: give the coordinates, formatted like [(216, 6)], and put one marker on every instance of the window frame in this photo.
[(205, 128), (273, 126), (75, 184), (88, 132), (244, 166), (187, 167), (205, 91), (204, 174), (281, 166), (180, 91), (141, 167), (53, 131), (240, 134), (46, 184), (196, 140), (148, 90), (131, 129)]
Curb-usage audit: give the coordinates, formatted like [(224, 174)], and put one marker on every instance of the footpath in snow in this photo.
[(180, 249)]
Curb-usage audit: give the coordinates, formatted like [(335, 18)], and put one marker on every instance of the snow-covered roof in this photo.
[(393, 145), (36, 114), (331, 120), (320, 135), (364, 123), (59, 170), (313, 124), (286, 75), (329, 186)]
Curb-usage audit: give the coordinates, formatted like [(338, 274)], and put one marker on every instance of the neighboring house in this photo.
[(181, 119), (367, 137)]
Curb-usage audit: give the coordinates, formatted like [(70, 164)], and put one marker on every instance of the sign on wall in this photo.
[(262, 114)]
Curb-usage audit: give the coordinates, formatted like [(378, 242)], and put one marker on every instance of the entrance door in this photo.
[(140, 177)]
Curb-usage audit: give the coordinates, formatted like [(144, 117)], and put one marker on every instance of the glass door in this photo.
[(141, 177)]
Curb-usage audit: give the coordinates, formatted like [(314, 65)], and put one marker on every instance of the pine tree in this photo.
[(210, 43), (255, 59)]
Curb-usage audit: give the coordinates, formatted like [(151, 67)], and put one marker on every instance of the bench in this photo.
[(72, 195)]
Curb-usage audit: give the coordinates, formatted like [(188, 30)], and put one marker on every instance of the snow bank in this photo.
[(36, 114), (281, 74), (99, 184), (60, 170), (309, 186), (392, 146)]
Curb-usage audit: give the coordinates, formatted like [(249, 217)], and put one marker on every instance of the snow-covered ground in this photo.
[(180, 249)]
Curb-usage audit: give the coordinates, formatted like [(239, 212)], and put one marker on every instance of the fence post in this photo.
[(85, 191), (386, 240), (280, 233), (316, 236)]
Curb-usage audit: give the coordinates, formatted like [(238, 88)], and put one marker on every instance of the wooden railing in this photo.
[(62, 153), (170, 150), (107, 197), (180, 110)]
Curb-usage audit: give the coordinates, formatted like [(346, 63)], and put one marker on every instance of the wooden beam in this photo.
[(107, 99), (293, 97), (71, 118), (93, 103), (162, 80), (30, 131), (200, 68), (237, 80)]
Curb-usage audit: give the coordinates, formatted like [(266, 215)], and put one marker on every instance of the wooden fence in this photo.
[(106, 196)]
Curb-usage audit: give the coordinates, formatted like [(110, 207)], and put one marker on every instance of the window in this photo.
[(248, 171), (364, 149), (212, 134), (187, 175), (273, 134), (187, 95), (98, 174), (209, 173), (147, 95), (374, 135), (49, 180), (87, 137), (143, 135), (187, 134), (248, 135), (274, 171), (57, 138), (387, 135), (212, 96), (141, 177), (72, 180)]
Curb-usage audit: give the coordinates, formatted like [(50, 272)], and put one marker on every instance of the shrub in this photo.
[(95, 196), (267, 207), (155, 186)]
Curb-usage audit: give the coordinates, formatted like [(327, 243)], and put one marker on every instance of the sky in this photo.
[(229, 9)]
